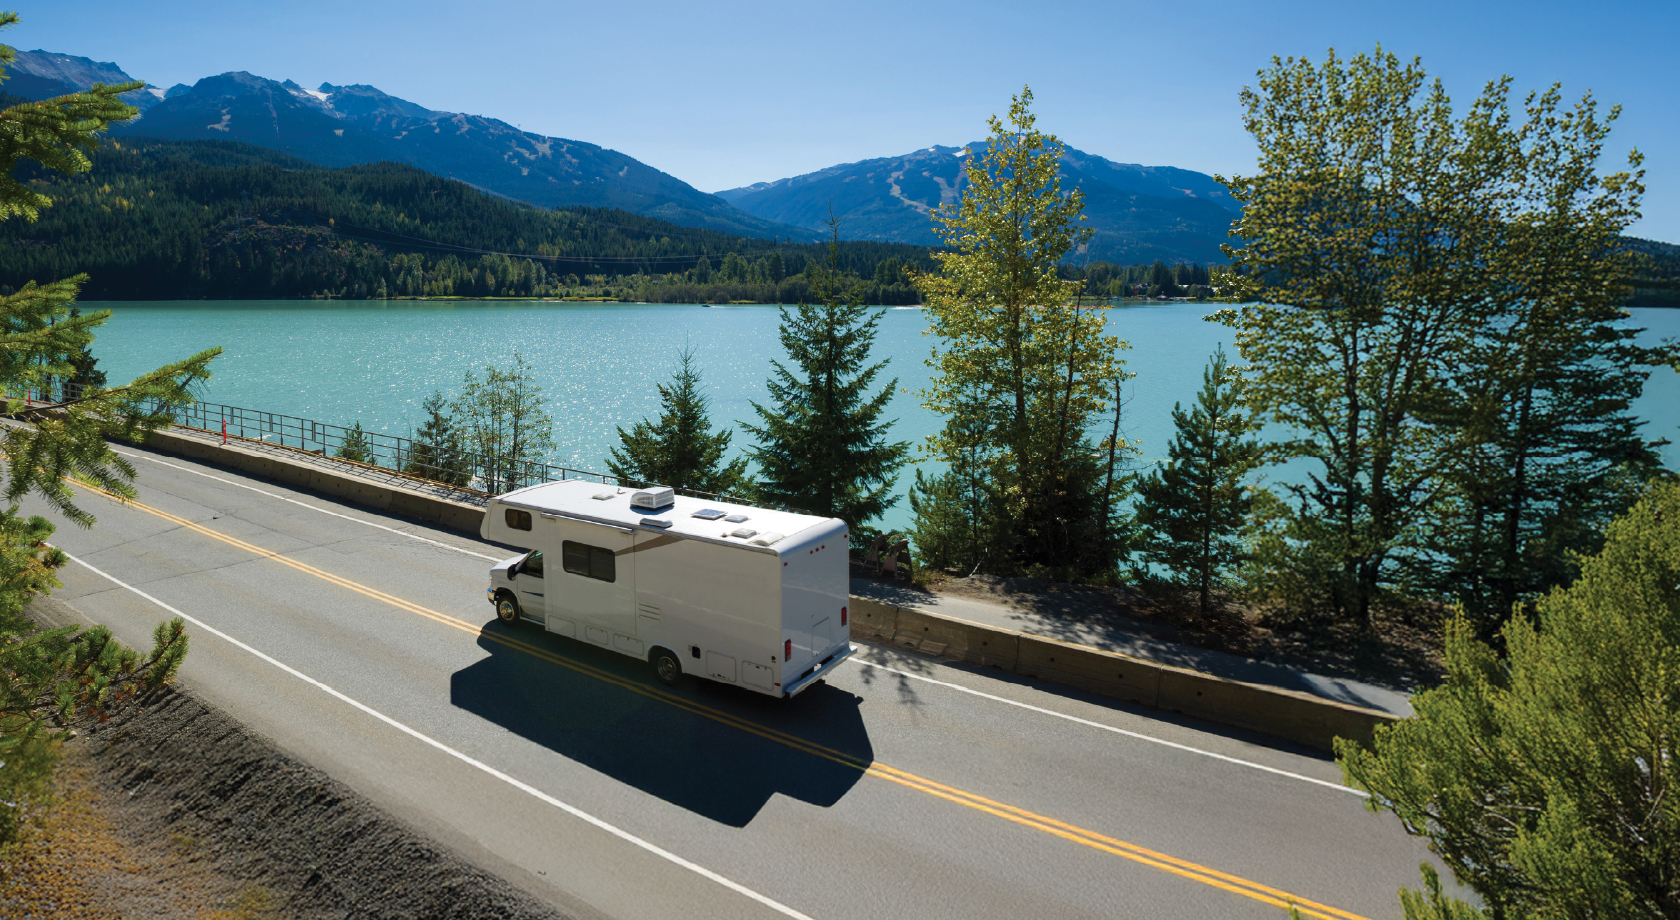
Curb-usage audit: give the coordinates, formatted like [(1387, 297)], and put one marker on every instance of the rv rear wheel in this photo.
[(666, 667), (507, 609)]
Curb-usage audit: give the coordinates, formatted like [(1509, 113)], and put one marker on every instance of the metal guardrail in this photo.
[(462, 469)]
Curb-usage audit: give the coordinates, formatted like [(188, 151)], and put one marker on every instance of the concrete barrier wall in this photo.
[(450, 515), (1298, 717), (1090, 669), (871, 619), (953, 638)]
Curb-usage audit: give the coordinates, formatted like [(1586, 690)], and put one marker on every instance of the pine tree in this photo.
[(437, 452), (1546, 778), (959, 522), (355, 446), (680, 449), (1196, 506), (58, 677), (823, 446), (85, 373)]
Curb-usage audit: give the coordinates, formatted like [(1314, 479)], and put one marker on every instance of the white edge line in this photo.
[(240, 485), (480, 765), (862, 662)]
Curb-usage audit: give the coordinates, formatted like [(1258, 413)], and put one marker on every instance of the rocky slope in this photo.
[(44, 74)]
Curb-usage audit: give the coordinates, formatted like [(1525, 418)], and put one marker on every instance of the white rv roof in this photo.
[(611, 505)]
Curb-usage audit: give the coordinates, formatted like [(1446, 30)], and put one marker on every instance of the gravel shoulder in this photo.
[(176, 810)]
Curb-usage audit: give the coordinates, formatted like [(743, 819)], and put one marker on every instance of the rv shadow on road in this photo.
[(689, 759)]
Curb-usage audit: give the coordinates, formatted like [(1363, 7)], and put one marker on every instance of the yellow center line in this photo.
[(1101, 842)]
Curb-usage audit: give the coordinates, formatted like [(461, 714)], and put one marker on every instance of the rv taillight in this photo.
[(842, 616), (787, 649)]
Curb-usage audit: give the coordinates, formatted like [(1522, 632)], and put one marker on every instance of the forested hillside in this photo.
[(1657, 283), (190, 219)]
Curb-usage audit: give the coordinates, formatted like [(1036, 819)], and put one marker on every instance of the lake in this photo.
[(374, 361)]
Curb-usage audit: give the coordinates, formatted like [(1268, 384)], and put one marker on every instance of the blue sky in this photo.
[(722, 95)]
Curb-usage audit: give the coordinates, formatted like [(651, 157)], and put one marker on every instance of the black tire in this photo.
[(507, 609), (666, 667)]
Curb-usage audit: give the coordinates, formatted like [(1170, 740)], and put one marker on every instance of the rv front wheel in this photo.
[(507, 609), (666, 667)]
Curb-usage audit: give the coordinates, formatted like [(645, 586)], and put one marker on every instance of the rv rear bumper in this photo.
[(820, 671)]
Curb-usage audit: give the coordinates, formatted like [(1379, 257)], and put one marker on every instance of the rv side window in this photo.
[(518, 520), (588, 561), (533, 565)]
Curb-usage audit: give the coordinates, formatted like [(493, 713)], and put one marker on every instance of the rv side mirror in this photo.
[(513, 570)]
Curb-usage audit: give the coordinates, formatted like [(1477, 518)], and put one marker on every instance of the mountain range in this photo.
[(1138, 213), (347, 125)]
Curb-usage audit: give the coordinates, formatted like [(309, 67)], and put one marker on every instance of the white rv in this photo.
[(732, 593)]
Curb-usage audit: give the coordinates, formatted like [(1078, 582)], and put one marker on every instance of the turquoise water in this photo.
[(374, 362)]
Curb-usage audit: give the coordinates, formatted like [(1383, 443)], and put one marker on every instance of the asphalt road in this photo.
[(902, 788)]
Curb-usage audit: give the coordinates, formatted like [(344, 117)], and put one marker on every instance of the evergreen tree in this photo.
[(85, 373), (1546, 779), (680, 449), (734, 268), (1161, 282), (355, 445), (823, 446), (52, 679), (1197, 505), (438, 451), (959, 522)]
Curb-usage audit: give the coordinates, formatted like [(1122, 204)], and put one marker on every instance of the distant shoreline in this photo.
[(1108, 301)]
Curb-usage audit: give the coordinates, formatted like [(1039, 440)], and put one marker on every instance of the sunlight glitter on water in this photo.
[(599, 364)]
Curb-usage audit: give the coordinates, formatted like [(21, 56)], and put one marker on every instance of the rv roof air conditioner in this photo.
[(765, 539), (654, 499)]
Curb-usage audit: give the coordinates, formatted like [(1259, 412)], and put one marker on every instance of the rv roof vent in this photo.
[(602, 496), (655, 498), (707, 514), (765, 539), (655, 522), (735, 518), (742, 532)]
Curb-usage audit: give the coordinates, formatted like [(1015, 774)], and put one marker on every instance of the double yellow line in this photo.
[(1070, 832)]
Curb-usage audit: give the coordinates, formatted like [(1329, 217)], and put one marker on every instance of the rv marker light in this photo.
[(787, 649), (842, 616)]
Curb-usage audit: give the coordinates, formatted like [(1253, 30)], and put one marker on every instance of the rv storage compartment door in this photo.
[(594, 580)]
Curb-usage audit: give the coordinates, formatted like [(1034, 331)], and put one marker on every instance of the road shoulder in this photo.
[(182, 805)]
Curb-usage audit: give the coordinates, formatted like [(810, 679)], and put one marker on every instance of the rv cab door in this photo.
[(529, 583)]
